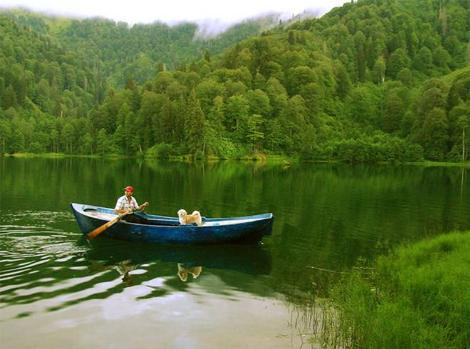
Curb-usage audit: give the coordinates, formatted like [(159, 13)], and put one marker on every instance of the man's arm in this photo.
[(136, 205), (144, 205)]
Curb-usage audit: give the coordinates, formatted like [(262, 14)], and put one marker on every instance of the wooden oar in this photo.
[(94, 233)]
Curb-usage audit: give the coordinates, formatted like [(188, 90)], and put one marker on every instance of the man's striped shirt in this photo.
[(124, 203)]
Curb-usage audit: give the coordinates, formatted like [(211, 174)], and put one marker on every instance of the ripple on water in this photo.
[(46, 268), (34, 252)]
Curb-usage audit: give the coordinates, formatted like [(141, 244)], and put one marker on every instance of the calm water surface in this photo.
[(59, 290)]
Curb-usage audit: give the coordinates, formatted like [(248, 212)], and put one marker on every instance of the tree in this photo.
[(405, 76), (162, 81), (9, 98), (68, 134), (194, 125), (343, 81), (273, 134), (277, 96), (434, 137), (434, 97), (463, 122), (5, 132), (393, 112), (206, 91), (293, 122), (102, 142), (361, 59), (259, 81), (459, 121), (441, 57), (364, 104), (378, 72), (125, 125), (17, 142), (423, 60), (132, 131), (120, 139), (216, 115), (86, 144), (236, 109), (298, 77), (398, 60), (54, 137), (259, 102), (314, 97), (151, 111), (254, 134)]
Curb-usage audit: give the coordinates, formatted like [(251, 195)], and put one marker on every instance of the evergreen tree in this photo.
[(194, 125)]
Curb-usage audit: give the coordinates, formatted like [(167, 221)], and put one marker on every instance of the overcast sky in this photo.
[(147, 11)]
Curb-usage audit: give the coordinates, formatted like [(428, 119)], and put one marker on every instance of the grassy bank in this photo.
[(417, 297), (259, 157)]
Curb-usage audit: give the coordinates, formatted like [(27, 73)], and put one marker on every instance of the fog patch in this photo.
[(211, 28)]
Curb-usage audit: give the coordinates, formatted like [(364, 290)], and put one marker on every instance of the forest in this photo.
[(373, 80)]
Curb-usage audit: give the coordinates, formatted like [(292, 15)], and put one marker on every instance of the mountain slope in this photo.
[(366, 82), (134, 52)]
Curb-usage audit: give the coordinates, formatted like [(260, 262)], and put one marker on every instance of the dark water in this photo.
[(59, 290)]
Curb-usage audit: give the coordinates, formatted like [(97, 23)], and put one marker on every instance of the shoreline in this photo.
[(259, 157)]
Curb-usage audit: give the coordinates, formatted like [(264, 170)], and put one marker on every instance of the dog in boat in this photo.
[(192, 218)]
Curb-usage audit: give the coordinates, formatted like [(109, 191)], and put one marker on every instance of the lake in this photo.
[(59, 290)]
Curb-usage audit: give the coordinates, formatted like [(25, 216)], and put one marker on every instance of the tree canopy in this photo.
[(375, 80)]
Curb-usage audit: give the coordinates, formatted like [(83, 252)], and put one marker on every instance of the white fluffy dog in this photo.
[(186, 218)]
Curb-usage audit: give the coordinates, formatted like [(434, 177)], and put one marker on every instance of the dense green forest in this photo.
[(369, 81)]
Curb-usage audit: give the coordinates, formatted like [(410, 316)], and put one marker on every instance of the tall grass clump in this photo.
[(417, 297)]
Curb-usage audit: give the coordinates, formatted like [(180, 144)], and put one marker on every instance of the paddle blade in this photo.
[(102, 228)]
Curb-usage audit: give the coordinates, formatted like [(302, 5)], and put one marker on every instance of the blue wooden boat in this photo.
[(163, 229)]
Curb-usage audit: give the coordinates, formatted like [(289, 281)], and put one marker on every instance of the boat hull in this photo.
[(163, 229)]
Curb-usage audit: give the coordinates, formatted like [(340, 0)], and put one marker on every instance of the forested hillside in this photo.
[(370, 81), (135, 52), (41, 86)]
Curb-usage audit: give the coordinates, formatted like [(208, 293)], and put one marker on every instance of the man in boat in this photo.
[(127, 202)]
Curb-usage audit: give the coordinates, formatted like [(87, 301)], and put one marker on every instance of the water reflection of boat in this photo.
[(163, 229), (248, 259)]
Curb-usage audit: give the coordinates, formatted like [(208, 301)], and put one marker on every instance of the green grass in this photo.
[(441, 164), (36, 155), (63, 155), (417, 297)]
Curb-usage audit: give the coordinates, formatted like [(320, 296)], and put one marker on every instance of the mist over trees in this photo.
[(369, 81)]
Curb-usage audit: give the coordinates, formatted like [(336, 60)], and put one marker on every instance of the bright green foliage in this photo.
[(194, 125), (394, 109), (253, 133), (435, 134), (369, 81), (236, 109), (416, 298)]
